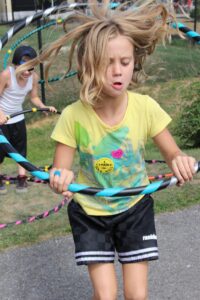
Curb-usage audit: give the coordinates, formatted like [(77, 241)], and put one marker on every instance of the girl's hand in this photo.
[(51, 109), (183, 168), (59, 181), (3, 118)]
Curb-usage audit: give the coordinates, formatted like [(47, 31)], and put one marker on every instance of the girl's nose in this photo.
[(27, 72), (117, 69)]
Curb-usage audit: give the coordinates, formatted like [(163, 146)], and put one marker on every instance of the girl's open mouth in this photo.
[(117, 85)]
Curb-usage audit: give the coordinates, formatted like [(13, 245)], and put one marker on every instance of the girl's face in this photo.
[(121, 65), (26, 74)]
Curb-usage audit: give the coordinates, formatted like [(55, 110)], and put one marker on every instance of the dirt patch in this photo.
[(48, 120)]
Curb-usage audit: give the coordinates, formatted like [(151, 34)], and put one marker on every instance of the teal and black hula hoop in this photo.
[(195, 36), (12, 179), (83, 189), (46, 213)]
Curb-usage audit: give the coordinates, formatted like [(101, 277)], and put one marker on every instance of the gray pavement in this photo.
[(48, 271)]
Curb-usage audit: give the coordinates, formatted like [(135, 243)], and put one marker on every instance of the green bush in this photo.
[(188, 121)]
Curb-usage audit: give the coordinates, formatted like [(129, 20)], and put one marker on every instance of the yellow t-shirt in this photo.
[(110, 156)]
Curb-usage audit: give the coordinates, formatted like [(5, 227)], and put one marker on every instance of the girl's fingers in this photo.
[(52, 109), (68, 195), (52, 176), (183, 167), (192, 162), (60, 179), (177, 173), (3, 120)]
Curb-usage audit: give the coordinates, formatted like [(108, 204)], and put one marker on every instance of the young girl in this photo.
[(13, 91), (109, 127)]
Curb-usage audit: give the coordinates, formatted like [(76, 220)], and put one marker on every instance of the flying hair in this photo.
[(144, 24)]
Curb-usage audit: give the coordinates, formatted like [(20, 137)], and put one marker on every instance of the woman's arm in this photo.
[(63, 160), (180, 163), (4, 82), (35, 99)]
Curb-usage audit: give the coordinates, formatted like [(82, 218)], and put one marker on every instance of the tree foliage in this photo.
[(188, 121)]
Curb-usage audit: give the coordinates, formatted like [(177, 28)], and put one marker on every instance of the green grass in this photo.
[(176, 61)]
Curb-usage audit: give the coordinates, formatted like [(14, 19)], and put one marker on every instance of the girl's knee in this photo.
[(104, 281), (105, 295), (135, 295)]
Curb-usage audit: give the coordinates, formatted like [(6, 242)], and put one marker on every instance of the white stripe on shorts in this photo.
[(94, 253), (145, 250), (104, 256), (138, 255), (95, 258)]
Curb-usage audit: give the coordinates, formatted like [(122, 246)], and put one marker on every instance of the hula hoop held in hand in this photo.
[(32, 110), (83, 189), (46, 213)]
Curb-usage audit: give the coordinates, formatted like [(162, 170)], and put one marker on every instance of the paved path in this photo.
[(47, 271)]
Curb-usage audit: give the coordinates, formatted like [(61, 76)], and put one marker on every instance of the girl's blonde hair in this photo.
[(143, 25)]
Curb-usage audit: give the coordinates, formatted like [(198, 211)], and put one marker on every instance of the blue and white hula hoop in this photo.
[(39, 15)]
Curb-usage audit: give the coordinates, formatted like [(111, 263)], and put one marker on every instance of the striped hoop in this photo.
[(39, 15), (189, 32), (32, 219), (83, 189), (28, 20), (7, 180)]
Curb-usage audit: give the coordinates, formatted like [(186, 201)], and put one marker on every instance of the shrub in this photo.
[(188, 121)]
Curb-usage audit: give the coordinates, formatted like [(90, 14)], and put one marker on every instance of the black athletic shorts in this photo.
[(132, 234), (16, 135)]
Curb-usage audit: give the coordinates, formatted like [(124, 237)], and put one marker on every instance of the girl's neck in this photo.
[(112, 110), (21, 80)]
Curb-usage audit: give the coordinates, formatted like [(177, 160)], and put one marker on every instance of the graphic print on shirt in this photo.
[(112, 162)]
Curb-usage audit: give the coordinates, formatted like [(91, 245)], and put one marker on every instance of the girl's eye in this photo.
[(125, 62)]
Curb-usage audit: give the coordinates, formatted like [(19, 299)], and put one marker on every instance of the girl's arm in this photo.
[(63, 160), (35, 99), (180, 163), (4, 81)]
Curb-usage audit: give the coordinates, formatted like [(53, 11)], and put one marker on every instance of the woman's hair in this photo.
[(22, 51), (143, 25)]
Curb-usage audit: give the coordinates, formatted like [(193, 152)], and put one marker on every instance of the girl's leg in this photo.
[(104, 281), (21, 171), (135, 277), (3, 189), (21, 185)]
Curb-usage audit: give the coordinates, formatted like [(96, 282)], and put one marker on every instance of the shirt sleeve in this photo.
[(157, 118), (64, 130)]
